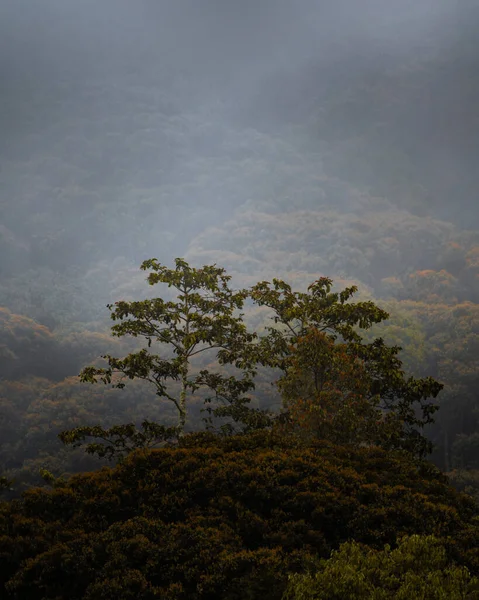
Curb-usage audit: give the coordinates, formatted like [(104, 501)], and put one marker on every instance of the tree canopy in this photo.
[(334, 385), (223, 518), (417, 568)]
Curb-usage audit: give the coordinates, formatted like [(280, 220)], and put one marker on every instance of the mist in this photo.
[(128, 129), (274, 138)]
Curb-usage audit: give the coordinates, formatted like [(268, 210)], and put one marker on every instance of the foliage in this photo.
[(5, 484), (24, 346), (417, 568), (203, 319), (119, 440), (340, 387), (465, 480), (346, 391), (320, 171), (326, 393), (222, 518)]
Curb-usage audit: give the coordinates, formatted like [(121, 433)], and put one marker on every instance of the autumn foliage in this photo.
[(222, 518), (327, 392)]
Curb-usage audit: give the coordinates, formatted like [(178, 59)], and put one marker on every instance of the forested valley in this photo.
[(290, 410)]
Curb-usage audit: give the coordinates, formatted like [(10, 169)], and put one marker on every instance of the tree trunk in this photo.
[(182, 403)]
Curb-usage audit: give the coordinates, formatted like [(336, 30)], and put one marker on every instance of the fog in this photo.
[(275, 138), (228, 46), (140, 116)]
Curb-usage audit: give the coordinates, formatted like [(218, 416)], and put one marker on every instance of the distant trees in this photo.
[(25, 346)]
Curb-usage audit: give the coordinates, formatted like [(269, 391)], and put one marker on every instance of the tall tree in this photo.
[(203, 317), (333, 384)]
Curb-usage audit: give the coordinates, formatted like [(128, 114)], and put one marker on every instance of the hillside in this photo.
[(222, 520), (279, 141)]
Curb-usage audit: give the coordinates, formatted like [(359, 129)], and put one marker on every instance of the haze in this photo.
[(93, 69), (276, 138), (145, 110)]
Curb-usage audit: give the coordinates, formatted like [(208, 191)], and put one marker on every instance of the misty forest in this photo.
[(239, 299)]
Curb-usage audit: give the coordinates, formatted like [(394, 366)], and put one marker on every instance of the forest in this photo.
[(290, 409)]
